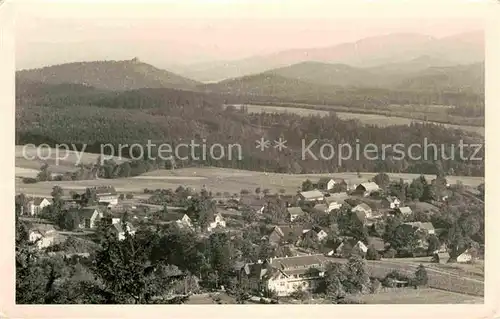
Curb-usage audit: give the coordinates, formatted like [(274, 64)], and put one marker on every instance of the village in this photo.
[(395, 227)]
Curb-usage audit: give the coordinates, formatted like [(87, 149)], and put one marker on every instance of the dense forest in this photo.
[(48, 115)]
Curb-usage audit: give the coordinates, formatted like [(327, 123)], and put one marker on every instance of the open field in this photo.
[(418, 296), (215, 180), (451, 279), (28, 161), (368, 119)]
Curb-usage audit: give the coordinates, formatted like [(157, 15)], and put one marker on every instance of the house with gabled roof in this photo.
[(117, 228), (294, 213), (326, 183), (315, 233), (404, 210), (89, 216), (218, 221), (391, 202), (182, 220), (366, 189), (106, 194), (425, 227), (287, 274), (36, 205), (467, 256), (43, 234), (311, 196), (363, 210)]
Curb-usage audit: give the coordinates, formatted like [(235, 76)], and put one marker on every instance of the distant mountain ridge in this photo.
[(465, 48), (108, 75)]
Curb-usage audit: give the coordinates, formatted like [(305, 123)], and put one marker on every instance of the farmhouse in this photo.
[(366, 189), (219, 221), (404, 210), (316, 233), (286, 274), (391, 202), (348, 247), (180, 219), (332, 184), (469, 255), (36, 205), (89, 216), (363, 210), (311, 196), (426, 227), (117, 229), (326, 183), (275, 236), (294, 213), (43, 234), (107, 194)]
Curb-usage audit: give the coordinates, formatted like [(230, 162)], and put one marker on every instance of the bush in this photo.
[(390, 253), (129, 196), (372, 254), (421, 278), (375, 287), (121, 197), (29, 180)]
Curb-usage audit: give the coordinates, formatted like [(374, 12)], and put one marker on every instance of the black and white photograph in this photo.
[(188, 153)]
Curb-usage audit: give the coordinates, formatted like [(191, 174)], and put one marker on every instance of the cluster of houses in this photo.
[(88, 217)]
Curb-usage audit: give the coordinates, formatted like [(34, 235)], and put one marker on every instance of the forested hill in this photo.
[(108, 75), (171, 116)]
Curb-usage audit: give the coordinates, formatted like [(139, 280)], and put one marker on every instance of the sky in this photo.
[(190, 31)]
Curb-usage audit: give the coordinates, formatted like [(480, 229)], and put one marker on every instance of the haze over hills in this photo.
[(108, 75), (463, 48), (323, 78)]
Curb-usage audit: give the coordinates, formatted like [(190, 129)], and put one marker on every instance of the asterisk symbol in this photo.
[(262, 144), (280, 144)]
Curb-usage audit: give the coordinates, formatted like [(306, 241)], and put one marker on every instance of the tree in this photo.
[(307, 185), (57, 193), (257, 191), (433, 244), (382, 180), (415, 190), (372, 254), (126, 271), (357, 279), (244, 192), (421, 278), (334, 278)]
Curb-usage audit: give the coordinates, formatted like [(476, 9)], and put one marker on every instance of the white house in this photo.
[(117, 229), (36, 205), (107, 194), (333, 203), (467, 256), (311, 196), (287, 274), (89, 216), (391, 202), (364, 209), (43, 234), (218, 222)]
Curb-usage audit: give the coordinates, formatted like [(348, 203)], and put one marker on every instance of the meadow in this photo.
[(418, 296), (367, 119), (216, 180)]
